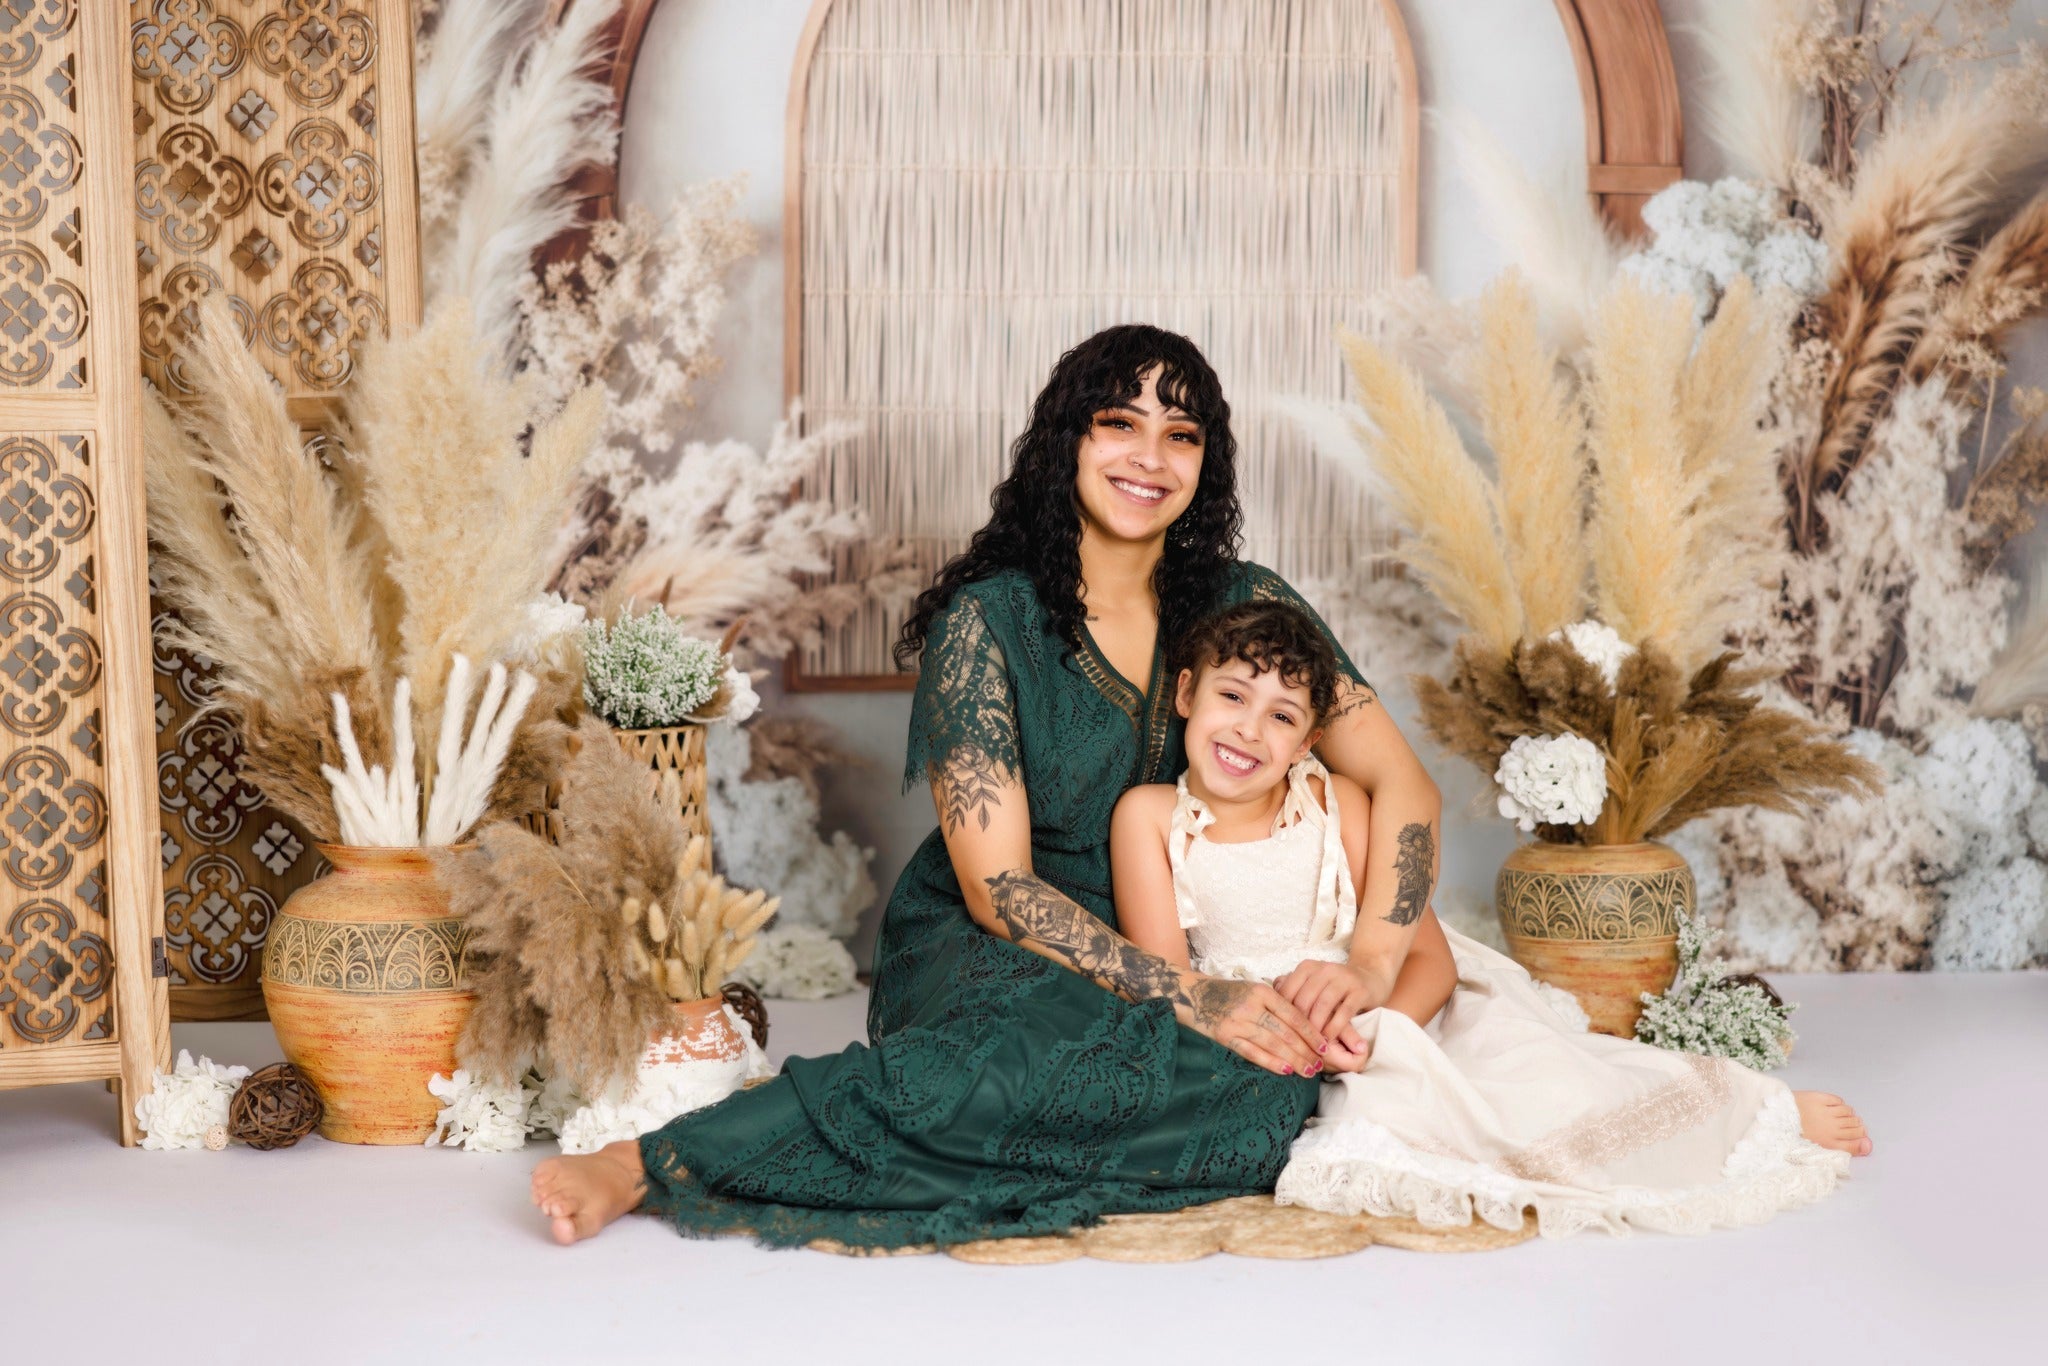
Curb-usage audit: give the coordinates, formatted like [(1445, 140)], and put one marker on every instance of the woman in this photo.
[(1031, 1069)]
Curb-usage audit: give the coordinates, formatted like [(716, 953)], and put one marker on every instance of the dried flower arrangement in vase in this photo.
[(712, 531), (1899, 618), (602, 952), (353, 595), (1630, 487)]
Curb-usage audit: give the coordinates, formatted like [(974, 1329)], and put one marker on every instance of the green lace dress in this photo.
[(1002, 1093)]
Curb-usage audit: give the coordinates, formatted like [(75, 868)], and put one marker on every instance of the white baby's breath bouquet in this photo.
[(644, 671)]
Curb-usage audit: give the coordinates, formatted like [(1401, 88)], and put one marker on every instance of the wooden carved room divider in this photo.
[(273, 160), (81, 982)]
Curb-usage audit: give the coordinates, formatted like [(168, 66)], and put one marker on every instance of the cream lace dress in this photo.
[(1502, 1103)]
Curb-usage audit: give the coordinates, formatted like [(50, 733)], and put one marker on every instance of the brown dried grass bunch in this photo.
[(1676, 746), (341, 570), (577, 947)]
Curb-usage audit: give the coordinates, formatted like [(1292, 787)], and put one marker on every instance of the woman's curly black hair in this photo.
[(1035, 518)]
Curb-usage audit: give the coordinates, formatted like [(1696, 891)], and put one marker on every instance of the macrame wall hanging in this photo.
[(272, 161), (976, 186)]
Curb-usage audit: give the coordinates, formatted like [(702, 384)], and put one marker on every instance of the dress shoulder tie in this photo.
[(1190, 817)]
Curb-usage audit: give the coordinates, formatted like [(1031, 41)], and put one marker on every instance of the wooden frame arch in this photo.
[(1635, 131)]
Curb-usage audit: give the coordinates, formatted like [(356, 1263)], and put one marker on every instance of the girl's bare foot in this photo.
[(1828, 1121), (580, 1195)]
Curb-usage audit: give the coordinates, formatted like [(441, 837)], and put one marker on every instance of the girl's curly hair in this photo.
[(1035, 520), (1271, 636)]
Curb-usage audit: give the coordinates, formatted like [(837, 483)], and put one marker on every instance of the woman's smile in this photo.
[(1142, 493)]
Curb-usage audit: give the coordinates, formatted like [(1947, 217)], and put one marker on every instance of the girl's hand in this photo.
[(1255, 1022), (1330, 995)]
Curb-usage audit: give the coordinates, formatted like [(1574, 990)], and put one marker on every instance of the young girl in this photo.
[(1466, 1092)]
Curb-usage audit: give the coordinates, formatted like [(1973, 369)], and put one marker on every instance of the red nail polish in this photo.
[(1322, 1048), (1288, 1070)]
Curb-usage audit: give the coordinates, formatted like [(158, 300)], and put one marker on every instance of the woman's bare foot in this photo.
[(1828, 1121), (580, 1195)]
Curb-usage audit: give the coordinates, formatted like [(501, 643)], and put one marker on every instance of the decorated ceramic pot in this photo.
[(364, 977), (1598, 920), (700, 1031)]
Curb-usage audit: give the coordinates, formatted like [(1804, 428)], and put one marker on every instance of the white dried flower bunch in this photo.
[(187, 1101), (1706, 236), (799, 963), (646, 670), (1552, 780), (768, 835), (1704, 1013), (482, 1116)]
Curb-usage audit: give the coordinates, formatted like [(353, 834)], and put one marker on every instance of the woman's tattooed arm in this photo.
[(1037, 916), (1415, 862)]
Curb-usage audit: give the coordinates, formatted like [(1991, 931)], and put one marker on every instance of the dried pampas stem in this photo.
[(1451, 512), (465, 774)]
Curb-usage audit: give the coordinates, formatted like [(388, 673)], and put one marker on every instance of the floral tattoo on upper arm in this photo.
[(970, 786)]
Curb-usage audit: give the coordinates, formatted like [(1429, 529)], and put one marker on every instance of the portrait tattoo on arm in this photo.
[(1032, 909), (970, 784), (1415, 856)]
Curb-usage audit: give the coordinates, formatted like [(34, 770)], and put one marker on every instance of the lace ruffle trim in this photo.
[(1358, 1167)]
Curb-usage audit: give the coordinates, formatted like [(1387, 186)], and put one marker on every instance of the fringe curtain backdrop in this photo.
[(982, 185)]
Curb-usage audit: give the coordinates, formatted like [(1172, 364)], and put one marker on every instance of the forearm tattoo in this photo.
[(1032, 909), (970, 784), (1415, 857)]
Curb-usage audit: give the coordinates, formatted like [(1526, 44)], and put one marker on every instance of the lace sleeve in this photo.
[(963, 720), (1262, 584)]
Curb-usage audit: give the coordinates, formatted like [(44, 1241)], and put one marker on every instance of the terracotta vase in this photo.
[(700, 1031), (1598, 920), (364, 979)]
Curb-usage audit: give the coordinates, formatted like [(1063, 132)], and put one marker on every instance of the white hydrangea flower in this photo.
[(1552, 780), (1705, 236), (548, 619), (187, 1101), (741, 699), (798, 963), (479, 1116), (1598, 644)]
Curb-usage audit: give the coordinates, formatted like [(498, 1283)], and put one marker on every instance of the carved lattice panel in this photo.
[(55, 963), (79, 900), (273, 161)]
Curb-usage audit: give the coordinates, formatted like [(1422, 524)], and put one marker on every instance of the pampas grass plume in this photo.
[(1532, 421), (1451, 513), (1642, 536)]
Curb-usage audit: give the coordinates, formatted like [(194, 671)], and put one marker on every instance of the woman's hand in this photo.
[(1255, 1022), (1330, 995)]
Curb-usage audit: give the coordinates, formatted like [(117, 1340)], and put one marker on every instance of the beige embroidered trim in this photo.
[(1601, 1140)]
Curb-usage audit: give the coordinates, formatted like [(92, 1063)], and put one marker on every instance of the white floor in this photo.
[(1938, 1249)]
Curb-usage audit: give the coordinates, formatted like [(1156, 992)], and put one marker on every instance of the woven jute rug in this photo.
[(1249, 1226)]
